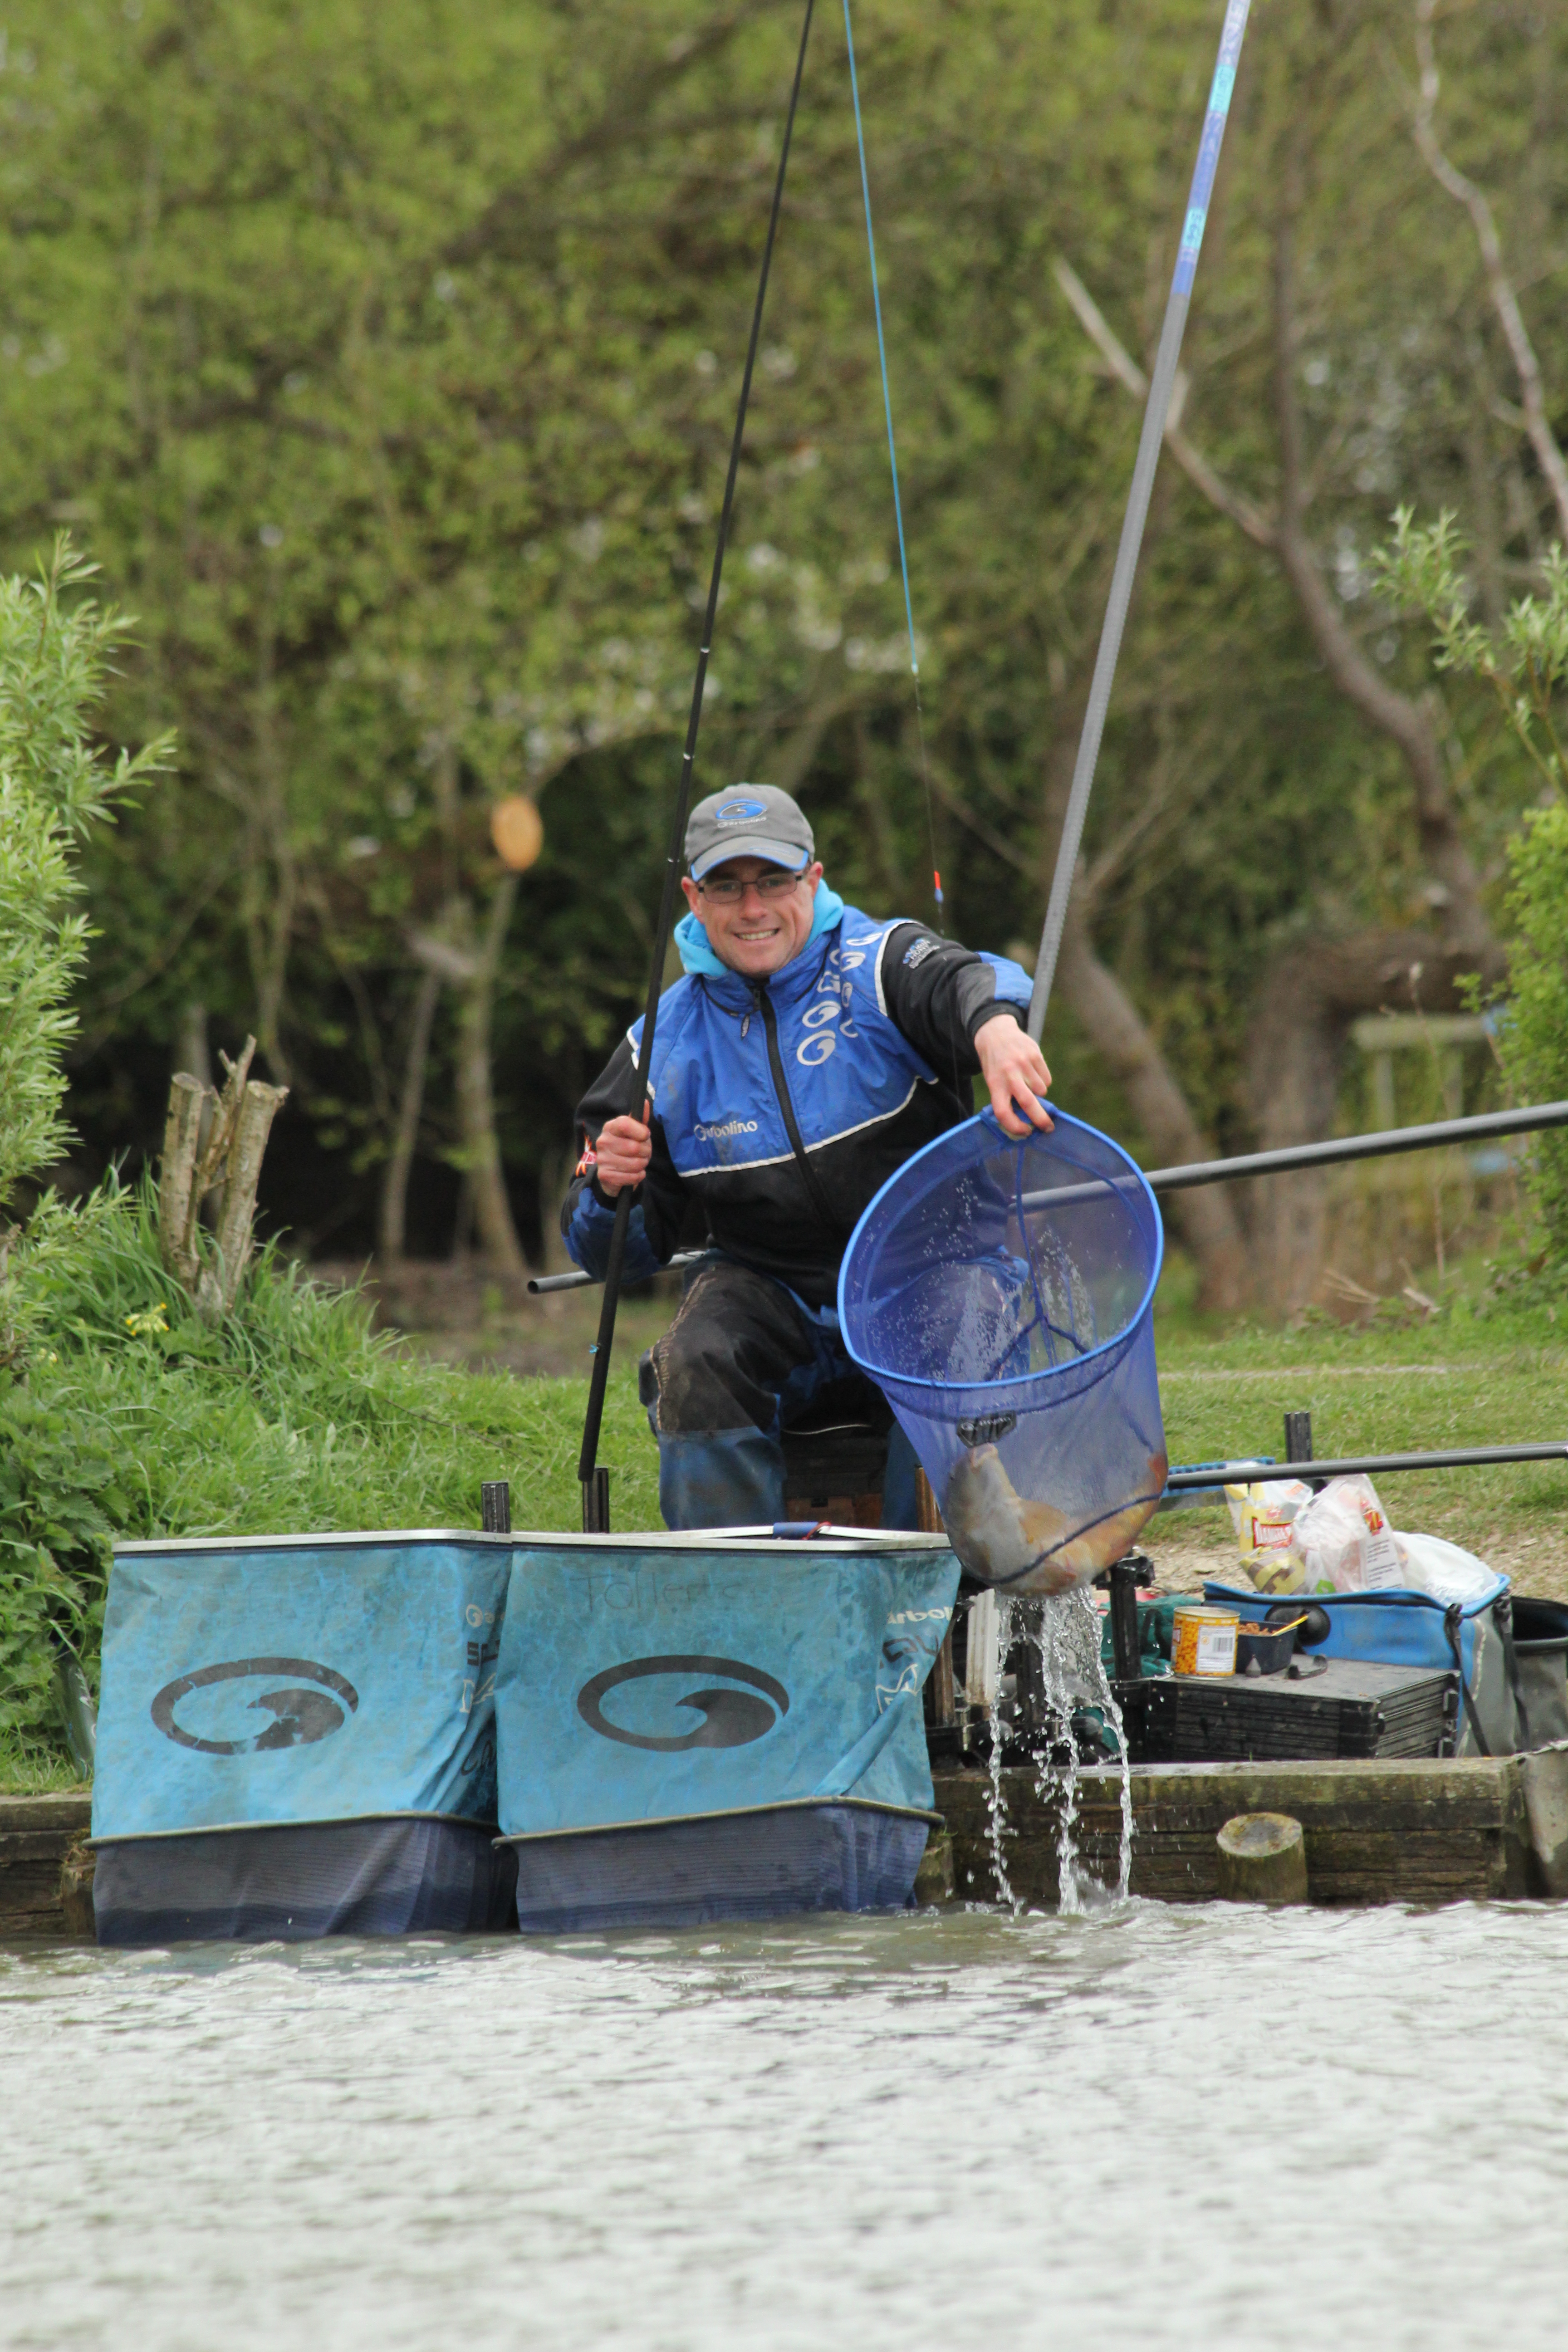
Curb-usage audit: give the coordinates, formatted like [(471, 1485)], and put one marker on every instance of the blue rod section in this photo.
[(881, 343), (1137, 515)]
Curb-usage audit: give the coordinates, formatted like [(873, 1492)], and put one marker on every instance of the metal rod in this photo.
[(545, 1286), (1350, 1466), (1143, 471), (593, 1490), (1529, 1120), (1338, 1147), (1360, 1146)]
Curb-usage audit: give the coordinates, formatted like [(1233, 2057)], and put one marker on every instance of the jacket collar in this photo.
[(730, 987)]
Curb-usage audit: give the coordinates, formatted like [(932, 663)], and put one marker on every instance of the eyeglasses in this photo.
[(776, 883)]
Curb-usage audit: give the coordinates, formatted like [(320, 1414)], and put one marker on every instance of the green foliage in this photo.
[(1534, 1038), (1525, 663), (121, 1416), (1523, 660), (54, 787), (390, 357)]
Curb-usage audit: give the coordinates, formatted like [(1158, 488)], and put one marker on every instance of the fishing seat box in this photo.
[(297, 1739), (1351, 1708), (718, 1724)]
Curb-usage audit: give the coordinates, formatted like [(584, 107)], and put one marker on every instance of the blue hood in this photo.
[(697, 956)]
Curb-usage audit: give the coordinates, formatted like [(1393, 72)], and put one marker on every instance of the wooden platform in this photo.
[(46, 1871), (1376, 1832), (1408, 1831)]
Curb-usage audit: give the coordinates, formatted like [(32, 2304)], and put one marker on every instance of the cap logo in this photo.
[(740, 812)]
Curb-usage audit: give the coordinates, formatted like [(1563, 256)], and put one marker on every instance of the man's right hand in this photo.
[(625, 1148)]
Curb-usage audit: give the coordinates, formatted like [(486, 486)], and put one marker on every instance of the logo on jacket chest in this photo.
[(826, 1017)]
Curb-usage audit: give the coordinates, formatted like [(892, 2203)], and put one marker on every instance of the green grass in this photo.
[(1479, 1372), (296, 1416), (36, 1767)]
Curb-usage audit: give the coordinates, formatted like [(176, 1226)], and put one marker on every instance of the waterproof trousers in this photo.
[(742, 1358)]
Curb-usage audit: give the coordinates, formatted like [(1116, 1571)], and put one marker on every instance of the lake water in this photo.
[(1149, 2125)]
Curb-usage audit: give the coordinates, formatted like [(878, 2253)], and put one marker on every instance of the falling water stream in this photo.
[(1064, 1633)]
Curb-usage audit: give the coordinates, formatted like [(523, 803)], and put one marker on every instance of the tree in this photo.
[(392, 355), (56, 649)]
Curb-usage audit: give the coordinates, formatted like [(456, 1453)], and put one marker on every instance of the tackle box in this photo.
[(1351, 1708)]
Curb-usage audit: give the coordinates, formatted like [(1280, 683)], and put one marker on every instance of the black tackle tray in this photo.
[(1352, 1708)]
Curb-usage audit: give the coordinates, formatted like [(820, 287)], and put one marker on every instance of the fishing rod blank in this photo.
[(1155, 416), (594, 1481)]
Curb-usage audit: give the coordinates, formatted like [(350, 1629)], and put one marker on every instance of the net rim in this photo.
[(988, 1120)]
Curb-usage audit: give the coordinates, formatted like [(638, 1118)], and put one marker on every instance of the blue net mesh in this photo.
[(1001, 1296)]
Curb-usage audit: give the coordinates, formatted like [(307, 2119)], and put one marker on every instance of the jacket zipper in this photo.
[(791, 1125)]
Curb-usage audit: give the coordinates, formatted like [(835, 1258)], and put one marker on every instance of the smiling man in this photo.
[(806, 1053)]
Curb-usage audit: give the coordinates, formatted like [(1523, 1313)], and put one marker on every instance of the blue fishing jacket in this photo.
[(780, 1107)]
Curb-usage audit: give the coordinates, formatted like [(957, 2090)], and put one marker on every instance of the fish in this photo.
[(1002, 1538)]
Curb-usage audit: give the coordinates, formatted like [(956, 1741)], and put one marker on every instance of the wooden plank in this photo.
[(37, 1835), (1424, 1830)]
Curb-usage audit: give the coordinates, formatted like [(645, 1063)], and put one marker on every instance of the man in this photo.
[(807, 1052)]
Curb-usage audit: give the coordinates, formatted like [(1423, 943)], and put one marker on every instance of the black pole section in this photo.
[(595, 1484), (1456, 1457), (1361, 1147)]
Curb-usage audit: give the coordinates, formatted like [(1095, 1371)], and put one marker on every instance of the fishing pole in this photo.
[(1127, 553), (594, 1482)]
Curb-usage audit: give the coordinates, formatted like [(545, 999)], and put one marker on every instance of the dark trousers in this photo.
[(739, 1360)]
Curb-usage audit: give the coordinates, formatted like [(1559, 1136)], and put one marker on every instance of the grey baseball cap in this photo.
[(747, 821)]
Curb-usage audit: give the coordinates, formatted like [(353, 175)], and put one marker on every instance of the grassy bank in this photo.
[(1483, 1371), (121, 1415)]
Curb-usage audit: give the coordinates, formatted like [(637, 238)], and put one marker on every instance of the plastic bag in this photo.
[(1441, 1569), (1264, 1516), (1344, 1539)]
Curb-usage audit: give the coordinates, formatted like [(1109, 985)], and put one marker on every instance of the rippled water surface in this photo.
[(1148, 2125)]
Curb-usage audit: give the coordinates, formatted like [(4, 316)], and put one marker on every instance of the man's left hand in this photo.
[(1013, 1068)]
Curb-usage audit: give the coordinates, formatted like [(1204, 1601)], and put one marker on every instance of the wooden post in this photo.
[(219, 1286), (230, 1163), (176, 1178), (1261, 1858)]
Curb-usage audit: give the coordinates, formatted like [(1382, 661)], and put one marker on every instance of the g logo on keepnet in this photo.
[(316, 1703), (740, 812), (730, 1718)]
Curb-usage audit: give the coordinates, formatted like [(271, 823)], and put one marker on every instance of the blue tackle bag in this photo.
[(1472, 1640), (716, 1726), (297, 1738)]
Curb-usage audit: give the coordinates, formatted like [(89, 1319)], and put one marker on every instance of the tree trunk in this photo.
[(392, 1236), (475, 1098), (1312, 994), (1206, 1220), (1462, 918)]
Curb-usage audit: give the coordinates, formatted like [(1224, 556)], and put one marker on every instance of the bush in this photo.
[(1524, 665), (54, 786), (1533, 1041), (123, 1415)]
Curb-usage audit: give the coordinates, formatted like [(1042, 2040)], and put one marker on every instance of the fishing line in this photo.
[(1153, 435), (596, 1508), (893, 462)]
